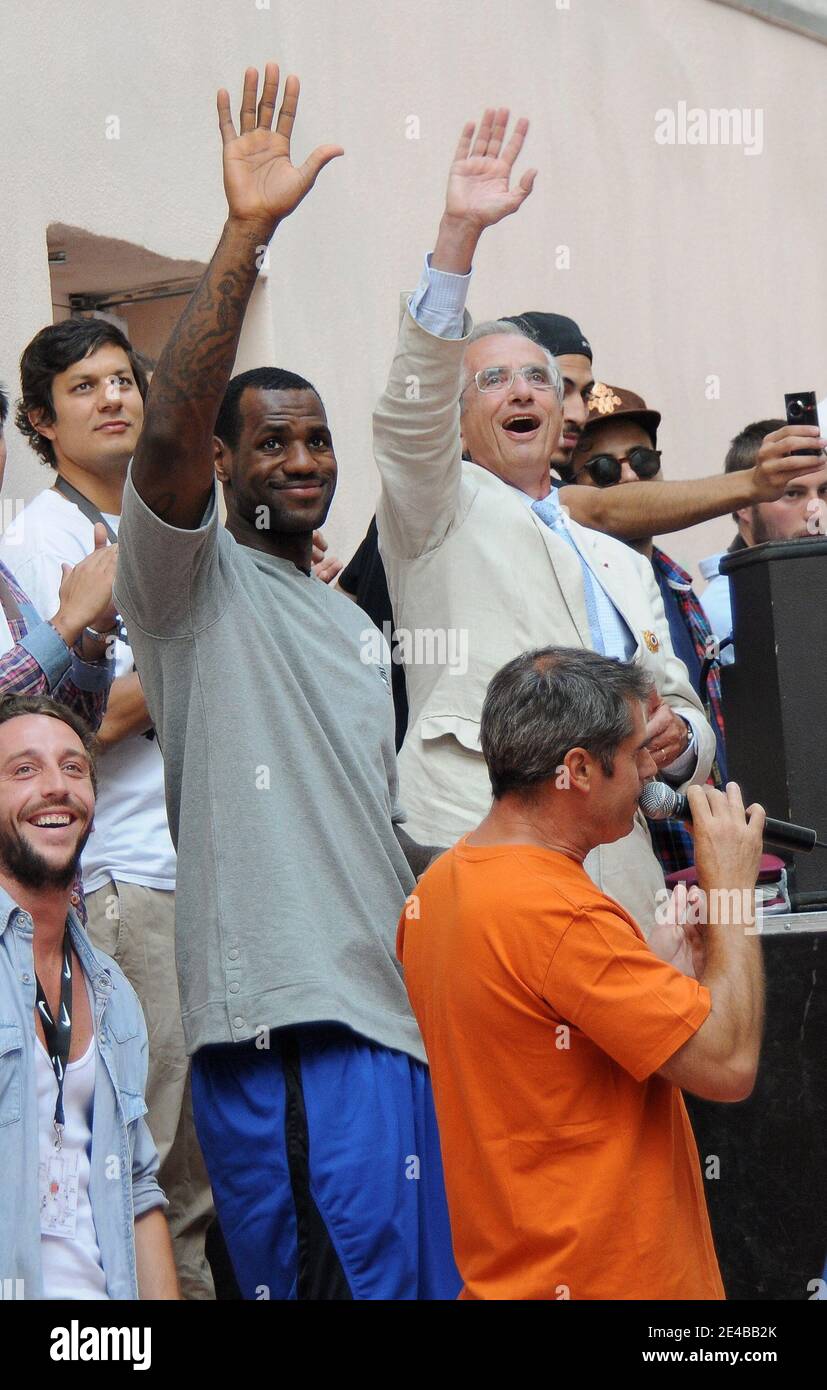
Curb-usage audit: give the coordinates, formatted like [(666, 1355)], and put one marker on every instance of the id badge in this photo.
[(58, 1183)]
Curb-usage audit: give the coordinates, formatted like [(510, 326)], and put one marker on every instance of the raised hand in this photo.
[(478, 182), (261, 183), (263, 186)]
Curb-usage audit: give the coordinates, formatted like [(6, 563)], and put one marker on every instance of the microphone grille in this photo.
[(657, 801)]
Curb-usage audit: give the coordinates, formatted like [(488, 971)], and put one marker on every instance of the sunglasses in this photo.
[(605, 469)]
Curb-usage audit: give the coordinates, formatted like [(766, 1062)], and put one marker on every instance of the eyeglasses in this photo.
[(536, 375), (605, 469)]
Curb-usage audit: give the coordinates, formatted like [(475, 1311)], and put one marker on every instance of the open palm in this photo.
[(260, 182), (478, 180)]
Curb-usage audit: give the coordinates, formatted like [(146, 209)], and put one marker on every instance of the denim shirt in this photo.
[(124, 1160)]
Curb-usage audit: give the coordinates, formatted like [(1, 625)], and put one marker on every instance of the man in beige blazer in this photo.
[(463, 435)]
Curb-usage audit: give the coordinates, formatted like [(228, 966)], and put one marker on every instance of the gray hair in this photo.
[(495, 328), (548, 701)]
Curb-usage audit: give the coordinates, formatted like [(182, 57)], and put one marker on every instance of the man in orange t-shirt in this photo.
[(557, 1038)]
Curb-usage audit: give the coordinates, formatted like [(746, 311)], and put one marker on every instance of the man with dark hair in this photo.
[(618, 447), (81, 409), (83, 1215), (311, 1093), (48, 386), (558, 1041), (799, 513)]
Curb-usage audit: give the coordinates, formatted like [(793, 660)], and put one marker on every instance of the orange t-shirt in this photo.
[(571, 1169)]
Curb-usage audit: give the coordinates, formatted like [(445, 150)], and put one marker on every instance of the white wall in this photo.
[(686, 262)]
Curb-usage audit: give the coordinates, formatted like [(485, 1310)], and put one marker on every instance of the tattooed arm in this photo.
[(173, 465)]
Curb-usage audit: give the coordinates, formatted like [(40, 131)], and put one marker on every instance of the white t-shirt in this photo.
[(131, 838), (71, 1264)]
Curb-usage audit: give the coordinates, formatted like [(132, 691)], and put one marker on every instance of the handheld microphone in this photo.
[(660, 802)]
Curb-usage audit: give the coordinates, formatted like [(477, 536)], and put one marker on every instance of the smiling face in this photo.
[(281, 475), (47, 801), (98, 413), (512, 432)]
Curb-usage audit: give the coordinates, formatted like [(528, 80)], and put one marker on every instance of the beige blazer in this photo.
[(476, 578)]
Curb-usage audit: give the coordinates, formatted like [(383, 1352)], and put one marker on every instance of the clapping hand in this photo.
[(677, 937), (86, 592)]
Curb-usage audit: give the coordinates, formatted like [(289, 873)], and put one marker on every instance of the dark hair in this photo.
[(53, 350), (743, 451), (4, 408), (13, 706), (228, 424), (546, 702)]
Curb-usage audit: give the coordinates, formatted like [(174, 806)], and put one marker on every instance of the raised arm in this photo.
[(173, 465), (416, 423), (478, 193), (637, 510)]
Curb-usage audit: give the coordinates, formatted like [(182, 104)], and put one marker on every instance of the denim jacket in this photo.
[(124, 1160)]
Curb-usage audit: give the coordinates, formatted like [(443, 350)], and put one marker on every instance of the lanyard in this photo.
[(58, 1034), (90, 511)]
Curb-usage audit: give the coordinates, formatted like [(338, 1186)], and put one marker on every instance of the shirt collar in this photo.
[(8, 907), (675, 576), (528, 499)]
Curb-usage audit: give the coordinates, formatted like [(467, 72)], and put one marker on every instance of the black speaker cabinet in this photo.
[(775, 694), (763, 1159)]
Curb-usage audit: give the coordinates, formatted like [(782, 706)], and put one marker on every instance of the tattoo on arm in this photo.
[(190, 381)]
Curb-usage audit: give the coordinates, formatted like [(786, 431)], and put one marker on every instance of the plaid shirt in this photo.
[(21, 673), (671, 839)]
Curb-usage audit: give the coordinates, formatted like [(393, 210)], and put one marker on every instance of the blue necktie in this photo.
[(609, 630)]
